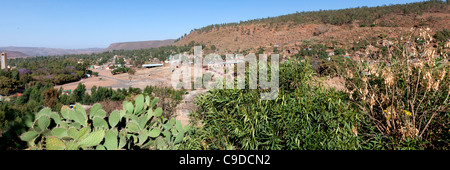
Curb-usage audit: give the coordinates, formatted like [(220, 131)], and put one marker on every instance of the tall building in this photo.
[(4, 61)]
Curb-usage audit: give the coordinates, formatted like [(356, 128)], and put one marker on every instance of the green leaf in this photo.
[(167, 126), (63, 124), (122, 139), (59, 132), (114, 118), (82, 133), (44, 122), (94, 110), (139, 104), (124, 105), (81, 117), (178, 126), (143, 121), (45, 111), (99, 113), (179, 137), (130, 107), (167, 134), (71, 145), (55, 117), (158, 112), (93, 139), (150, 113), (143, 136), (147, 100), (79, 108), (29, 136), (100, 123), (100, 147), (65, 112), (111, 141), (53, 143), (133, 127), (122, 113), (155, 132), (71, 114), (154, 101), (75, 125), (72, 132)]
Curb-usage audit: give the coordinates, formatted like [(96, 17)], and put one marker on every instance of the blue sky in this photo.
[(98, 23)]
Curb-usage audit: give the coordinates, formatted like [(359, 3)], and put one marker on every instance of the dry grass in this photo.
[(405, 93)]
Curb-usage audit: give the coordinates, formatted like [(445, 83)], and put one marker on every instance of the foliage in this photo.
[(50, 97), (302, 117), (443, 35), (337, 66), (7, 85), (169, 98), (136, 126), (49, 70), (120, 70), (406, 96)]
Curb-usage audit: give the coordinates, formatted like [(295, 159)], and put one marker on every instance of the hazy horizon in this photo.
[(97, 24)]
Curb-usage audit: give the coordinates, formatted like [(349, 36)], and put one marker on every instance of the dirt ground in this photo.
[(157, 76), (142, 78), (337, 83)]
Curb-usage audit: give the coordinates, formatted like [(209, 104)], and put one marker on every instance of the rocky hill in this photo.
[(41, 51), (334, 27), (15, 54), (139, 45)]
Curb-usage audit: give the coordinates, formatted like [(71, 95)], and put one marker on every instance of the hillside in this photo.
[(139, 45), (16, 54), (41, 51), (334, 27)]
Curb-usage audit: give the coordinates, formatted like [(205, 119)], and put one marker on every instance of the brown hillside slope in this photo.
[(286, 35), (16, 54), (139, 45)]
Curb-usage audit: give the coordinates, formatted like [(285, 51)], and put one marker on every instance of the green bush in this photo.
[(443, 35), (302, 117)]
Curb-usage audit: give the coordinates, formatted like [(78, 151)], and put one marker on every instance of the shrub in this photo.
[(51, 97), (7, 85), (443, 35), (120, 70), (321, 30), (406, 97), (302, 117)]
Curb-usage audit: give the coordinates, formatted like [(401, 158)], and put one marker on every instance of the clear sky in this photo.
[(97, 23)]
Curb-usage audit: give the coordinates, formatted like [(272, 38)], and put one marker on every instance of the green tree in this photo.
[(15, 74), (7, 85), (51, 97), (78, 93)]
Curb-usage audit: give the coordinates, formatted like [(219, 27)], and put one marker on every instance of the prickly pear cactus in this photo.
[(138, 124)]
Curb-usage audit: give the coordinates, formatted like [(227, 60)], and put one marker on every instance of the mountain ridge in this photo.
[(135, 45), (44, 51), (19, 52), (340, 28)]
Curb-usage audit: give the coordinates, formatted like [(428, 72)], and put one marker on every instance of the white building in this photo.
[(4, 61)]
